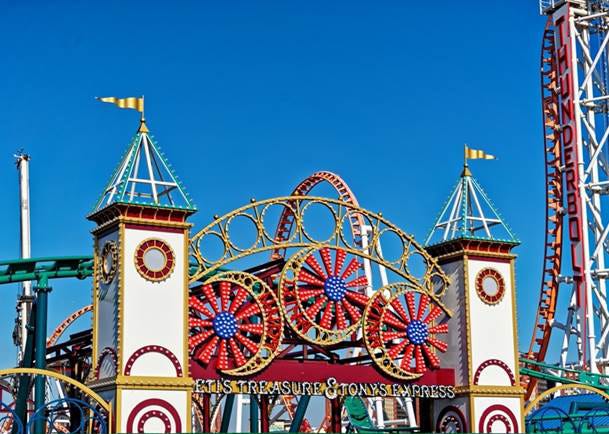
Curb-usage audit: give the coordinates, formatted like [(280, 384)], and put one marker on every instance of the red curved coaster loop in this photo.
[(61, 328), (548, 297), (286, 221)]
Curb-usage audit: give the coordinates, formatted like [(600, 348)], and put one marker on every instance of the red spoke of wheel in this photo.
[(224, 295), (210, 296), (419, 363), (341, 321), (360, 281), (256, 329), (197, 322), (305, 294), (389, 336), (440, 328), (237, 354), (199, 306), (207, 350), (299, 320), (434, 361), (442, 346), (351, 268), (222, 360), (247, 311), (247, 343), (326, 318), (340, 260), (316, 307), (399, 308), (352, 311), (312, 262), (405, 363), (435, 312), (195, 340), (305, 275), (424, 301), (393, 320), (357, 298), (238, 300), (410, 302), (326, 259), (395, 351)]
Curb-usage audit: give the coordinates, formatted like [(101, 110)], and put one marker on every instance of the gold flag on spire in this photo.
[(126, 103), (475, 154)]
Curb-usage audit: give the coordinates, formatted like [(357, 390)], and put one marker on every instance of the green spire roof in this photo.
[(144, 177), (469, 214)]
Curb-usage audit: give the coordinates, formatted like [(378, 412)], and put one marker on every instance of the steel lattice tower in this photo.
[(575, 102)]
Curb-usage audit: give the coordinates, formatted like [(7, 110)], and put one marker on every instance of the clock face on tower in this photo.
[(154, 260), (108, 262), (490, 286)]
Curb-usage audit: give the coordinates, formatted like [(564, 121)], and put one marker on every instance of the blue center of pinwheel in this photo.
[(225, 325), (417, 332), (335, 288)]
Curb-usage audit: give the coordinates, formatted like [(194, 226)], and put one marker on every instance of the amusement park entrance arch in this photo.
[(324, 322)]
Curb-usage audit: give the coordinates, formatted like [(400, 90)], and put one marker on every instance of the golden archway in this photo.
[(86, 390), (258, 215), (533, 404)]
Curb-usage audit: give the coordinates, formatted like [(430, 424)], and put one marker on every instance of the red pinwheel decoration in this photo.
[(326, 296), (405, 329), (230, 322)]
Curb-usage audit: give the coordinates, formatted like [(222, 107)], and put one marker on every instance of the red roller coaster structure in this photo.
[(286, 221), (554, 202)]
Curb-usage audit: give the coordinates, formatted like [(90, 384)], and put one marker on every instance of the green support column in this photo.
[(228, 412), (23, 387), (301, 409), (42, 293), (254, 413)]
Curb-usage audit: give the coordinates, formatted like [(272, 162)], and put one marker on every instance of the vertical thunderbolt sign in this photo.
[(567, 80)]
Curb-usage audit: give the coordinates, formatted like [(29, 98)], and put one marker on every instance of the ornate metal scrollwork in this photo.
[(400, 328), (260, 217), (235, 316), (321, 303)]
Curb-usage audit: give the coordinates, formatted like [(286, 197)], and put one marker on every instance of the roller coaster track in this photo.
[(21, 270), (554, 212), (556, 374), (286, 221), (52, 340)]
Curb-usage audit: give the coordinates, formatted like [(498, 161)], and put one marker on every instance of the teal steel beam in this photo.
[(42, 294), (228, 411), (253, 413), (546, 372), (80, 267), (301, 409), (23, 388), (20, 270)]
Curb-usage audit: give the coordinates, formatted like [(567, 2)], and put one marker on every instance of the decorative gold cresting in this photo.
[(259, 216)]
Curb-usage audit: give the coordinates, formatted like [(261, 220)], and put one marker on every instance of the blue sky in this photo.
[(248, 98)]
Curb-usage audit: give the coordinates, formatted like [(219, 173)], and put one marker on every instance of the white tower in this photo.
[(473, 246), (140, 314)]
